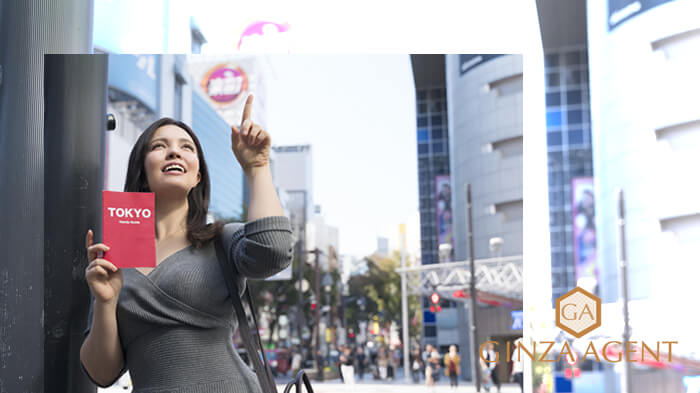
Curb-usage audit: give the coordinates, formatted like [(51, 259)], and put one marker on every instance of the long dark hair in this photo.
[(198, 231)]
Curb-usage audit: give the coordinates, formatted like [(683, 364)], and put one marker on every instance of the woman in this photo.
[(452, 365), (347, 366), (171, 325)]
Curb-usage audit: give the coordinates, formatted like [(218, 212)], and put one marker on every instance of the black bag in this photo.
[(262, 367)]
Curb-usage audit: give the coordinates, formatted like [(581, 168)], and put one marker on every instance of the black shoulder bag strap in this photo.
[(262, 367)]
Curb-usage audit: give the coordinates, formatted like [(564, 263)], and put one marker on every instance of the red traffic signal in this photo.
[(352, 335), (432, 308), (435, 298), (313, 306)]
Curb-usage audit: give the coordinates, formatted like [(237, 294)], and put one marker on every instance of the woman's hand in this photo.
[(105, 279), (250, 144)]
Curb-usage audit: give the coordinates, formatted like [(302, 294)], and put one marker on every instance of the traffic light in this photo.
[(435, 299), (313, 306)]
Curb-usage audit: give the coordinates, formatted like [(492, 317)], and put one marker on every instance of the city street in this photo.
[(366, 385), (375, 387)]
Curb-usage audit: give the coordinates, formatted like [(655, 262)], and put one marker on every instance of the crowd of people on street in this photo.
[(381, 362)]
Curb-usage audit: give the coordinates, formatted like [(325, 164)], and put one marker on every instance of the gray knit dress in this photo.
[(176, 323)]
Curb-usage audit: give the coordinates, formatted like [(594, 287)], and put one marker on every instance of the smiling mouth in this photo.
[(176, 168)]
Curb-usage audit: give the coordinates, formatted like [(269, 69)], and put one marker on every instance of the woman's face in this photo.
[(172, 164)]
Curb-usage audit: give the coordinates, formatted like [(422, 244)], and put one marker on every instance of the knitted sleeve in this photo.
[(261, 248)]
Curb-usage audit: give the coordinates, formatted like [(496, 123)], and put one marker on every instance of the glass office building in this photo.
[(569, 154)]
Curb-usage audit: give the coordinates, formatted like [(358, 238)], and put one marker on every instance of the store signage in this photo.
[(223, 84)]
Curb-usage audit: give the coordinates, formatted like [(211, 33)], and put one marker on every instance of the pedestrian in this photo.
[(435, 358), (391, 360), (416, 365), (452, 365), (138, 312), (320, 364), (296, 361), (517, 364), (347, 362), (490, 366), (432, 367), (361, 362), (382, 364)]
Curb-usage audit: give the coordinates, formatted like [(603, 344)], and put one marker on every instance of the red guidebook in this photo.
[(128, 228)]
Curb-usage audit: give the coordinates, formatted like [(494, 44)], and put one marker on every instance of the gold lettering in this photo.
[(587, 310), (592, 350), (669, 348), (546, 351), (530, 354), (644, 345), (563, 309), (630, 349), (605, 352), (481, 352), (568, 351)]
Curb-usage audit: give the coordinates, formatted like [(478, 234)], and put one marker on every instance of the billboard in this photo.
[(584, 231), (226, 81), (443, 209)]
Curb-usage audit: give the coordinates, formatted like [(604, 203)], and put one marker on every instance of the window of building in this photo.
[(575, 136), (556, 198), (553, 119), (422, 108), (573, 77), (421, 94), (438, 147), (574, 116), (573, 97), (551, 60), (437, 94), (436, 133), (556, 219), (555, 179), (553, 99), (437, 106), (572, 58), (552, 79), (422, 148), (554, 138), (422, 135), (436, 120), (422, 121), (556, 159)]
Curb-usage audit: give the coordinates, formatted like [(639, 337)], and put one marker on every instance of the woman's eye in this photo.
[(156, 145), (189, 147)]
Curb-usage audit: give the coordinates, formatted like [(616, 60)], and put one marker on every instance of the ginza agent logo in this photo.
[(578, 312), (129, 212)]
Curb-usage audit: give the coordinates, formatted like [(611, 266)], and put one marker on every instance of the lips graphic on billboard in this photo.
[(223, 84)]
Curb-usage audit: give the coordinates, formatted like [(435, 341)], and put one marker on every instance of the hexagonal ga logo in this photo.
[(578, 312)]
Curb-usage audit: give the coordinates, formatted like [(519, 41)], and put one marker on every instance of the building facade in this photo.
[(469, 130), (569, 144), (485, 117), (645, 91)]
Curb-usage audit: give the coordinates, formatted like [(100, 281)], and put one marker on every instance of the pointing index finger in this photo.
[(248, 109)]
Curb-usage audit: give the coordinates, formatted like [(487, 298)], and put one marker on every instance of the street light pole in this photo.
[(404, 306), (623, 288), (474, 353)]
